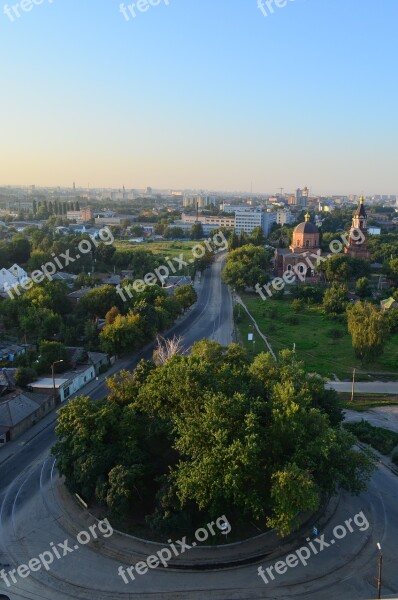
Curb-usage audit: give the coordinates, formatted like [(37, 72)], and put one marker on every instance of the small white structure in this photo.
[(12, 277), (66, 384)]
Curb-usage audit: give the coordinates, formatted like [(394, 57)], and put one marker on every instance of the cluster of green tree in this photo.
[(43, 209), (148, 313), (256, 238), (35, 247), (342, 268), (17, 250), (368, 325), (45, 313), (383, 247), (39, 313), (338, 220), (207, 434), (246, 266), (38, 362)]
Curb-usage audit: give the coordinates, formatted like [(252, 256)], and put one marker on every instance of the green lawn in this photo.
[(381, 439), (165, 249), (320, 353)]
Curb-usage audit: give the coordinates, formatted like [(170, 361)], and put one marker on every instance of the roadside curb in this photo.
[(128, 549)]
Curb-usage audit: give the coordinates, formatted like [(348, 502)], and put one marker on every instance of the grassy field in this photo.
[(365, 402), (310, 332), (381, 439), (165, 249)]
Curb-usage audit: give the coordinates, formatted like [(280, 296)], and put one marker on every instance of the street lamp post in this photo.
[(52, 371), (380, 570)]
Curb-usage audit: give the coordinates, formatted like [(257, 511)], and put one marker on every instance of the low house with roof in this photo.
[(75, 297), (99, 360), (65, 384), (174, 281), (8, 351), (20, 412), (12, 277), (7, 381)]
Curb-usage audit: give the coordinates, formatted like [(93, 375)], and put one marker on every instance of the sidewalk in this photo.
[(12, 448), (240, 301), (369, 387)]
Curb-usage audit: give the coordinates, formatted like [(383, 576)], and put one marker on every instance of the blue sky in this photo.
[(201, 94)]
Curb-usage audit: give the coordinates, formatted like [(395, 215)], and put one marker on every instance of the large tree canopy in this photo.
[(216, 432)]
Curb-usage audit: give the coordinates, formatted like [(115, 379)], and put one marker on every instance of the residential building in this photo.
[(80, 216), (228, 222), (65, 384), (231, 208), (284, 217), (99, 360), (248, 220), (22, 411), (174, 281), (200, 200), (12, 277), (74, 297), (8, 351)]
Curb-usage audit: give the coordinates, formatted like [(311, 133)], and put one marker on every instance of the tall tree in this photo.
[(368, 328)]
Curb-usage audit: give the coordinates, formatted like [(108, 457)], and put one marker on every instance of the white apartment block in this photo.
[(231, 208), (284, 217), (248, 220), (206, 220)]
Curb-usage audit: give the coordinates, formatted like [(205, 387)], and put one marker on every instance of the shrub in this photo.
[(25, 375), (381, 439), (297, 305)]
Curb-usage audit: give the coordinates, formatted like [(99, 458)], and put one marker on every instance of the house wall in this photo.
[(32, 419), (74, 385)]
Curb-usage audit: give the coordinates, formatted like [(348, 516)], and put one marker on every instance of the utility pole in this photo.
[(353, 385), (380, 570), (52, 371)]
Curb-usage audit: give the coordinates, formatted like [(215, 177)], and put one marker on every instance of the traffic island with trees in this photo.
[(212, 433)]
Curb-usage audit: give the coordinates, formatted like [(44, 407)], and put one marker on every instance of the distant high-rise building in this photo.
[(302, 196)]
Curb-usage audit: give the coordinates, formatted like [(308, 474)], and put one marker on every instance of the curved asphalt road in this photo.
[(29, 522)]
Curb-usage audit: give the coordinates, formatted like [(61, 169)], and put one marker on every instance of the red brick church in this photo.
[(305, 244), (358, 244)]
